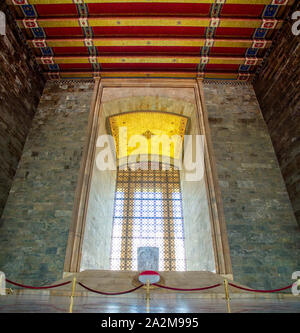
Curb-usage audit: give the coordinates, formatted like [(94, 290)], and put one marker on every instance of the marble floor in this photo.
[(57, 300), (60, 304)]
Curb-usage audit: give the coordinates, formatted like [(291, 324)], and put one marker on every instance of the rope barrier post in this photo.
[(227, 295), (147, 278), (2, 284), (72, 295), (148, 296)]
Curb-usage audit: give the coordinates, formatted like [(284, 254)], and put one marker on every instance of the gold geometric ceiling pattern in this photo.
[(149, 133)]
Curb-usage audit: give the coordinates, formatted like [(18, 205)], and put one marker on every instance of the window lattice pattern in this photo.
[(148, 212)]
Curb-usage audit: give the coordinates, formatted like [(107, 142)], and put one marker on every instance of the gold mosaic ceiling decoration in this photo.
[(148, 133)]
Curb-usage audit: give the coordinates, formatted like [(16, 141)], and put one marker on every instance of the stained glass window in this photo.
[(148, 212)]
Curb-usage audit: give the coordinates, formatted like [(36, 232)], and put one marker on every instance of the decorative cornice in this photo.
[(227, 82), (205, 81), (73, 81)]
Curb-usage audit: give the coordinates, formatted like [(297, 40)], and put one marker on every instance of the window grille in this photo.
[(148, 212)]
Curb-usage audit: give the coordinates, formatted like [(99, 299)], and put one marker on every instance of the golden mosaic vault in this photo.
[(148, 133)]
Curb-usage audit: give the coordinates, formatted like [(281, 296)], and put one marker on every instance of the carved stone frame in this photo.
[(218, 225)]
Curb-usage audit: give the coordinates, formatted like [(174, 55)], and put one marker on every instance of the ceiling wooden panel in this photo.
[(217, 39)]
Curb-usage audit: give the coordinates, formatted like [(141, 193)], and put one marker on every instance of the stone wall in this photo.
[(263, 234), (21, 86), (36, 219), (278, 92)]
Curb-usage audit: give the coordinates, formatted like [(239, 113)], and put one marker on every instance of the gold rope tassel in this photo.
[(148, 296), (72, 295), (227, 295)]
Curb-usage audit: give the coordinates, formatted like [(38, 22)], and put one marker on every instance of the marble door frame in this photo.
[(218, 225)]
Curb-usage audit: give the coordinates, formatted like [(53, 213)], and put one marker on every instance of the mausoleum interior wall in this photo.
[(262, 231)]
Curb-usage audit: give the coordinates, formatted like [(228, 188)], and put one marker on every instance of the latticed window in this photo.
[(148, 212)]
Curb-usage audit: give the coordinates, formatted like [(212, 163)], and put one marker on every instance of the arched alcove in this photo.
[(90, 246)]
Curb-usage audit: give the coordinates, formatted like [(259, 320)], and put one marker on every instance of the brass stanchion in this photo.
[(227, 295), (148, 296), (9, 291), (72, 295)]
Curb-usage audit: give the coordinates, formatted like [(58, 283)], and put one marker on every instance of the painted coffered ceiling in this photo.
[(213, 39)]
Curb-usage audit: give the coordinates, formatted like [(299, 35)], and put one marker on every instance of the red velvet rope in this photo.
[(180, 289), (154, 284), (111, 294), (258, 290), (30, 287)]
